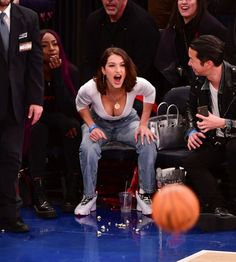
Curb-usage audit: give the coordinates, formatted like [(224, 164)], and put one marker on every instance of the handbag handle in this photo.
[(161, 104), (168, 112)]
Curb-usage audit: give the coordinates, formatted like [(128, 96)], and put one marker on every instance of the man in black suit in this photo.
[(21, 85)]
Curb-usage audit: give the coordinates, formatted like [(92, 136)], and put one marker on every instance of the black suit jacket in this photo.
[(135, 32), (21, 81)]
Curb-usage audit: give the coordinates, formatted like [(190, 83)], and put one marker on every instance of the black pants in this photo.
[(11, 140), (53, 126), (200, 163)]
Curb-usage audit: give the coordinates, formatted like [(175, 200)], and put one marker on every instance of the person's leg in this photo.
[(198, 166), (73, 177), (11, 141), (147, 154), (41, 135), (37, 163), (38, 150), (90, 153)]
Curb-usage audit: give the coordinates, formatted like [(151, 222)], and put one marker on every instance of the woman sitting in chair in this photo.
[(105, 104), (59, 122)]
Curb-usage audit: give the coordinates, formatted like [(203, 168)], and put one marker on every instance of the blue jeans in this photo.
[(123, 131)]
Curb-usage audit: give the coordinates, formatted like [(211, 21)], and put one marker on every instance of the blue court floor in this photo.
[(106, 236)]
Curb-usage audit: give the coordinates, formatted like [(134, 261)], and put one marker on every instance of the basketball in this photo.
[(175, 208)]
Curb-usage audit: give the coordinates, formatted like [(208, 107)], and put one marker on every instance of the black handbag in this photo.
[(169, 128)]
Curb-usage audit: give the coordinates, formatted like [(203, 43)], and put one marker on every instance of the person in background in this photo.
[(59, 122), (124, 24), (212, 138), (189, 19), (105, 104), (21, 97)]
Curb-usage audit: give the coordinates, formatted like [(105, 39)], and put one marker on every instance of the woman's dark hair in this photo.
[(208, 47), (65, 62), (131, 73), (177, 20)]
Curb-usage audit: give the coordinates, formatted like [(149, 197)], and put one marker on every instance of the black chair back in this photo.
[(174, 157), (178, 96)]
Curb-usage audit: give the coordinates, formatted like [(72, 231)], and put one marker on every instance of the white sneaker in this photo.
[(144, 203), (87, 205)]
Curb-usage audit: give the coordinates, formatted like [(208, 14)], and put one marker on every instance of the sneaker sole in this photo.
[(45, 214), (87, 213)]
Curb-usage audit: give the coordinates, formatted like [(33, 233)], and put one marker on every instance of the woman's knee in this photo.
[(147, 148)]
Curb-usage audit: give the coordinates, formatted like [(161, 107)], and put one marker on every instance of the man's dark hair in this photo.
[(208, 47)]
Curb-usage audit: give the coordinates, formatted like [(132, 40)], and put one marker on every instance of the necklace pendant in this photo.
[(117, 105)]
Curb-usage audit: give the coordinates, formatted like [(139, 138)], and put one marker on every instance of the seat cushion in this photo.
[(118, 150), (171, 158)]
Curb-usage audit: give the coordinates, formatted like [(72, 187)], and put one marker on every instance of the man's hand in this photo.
[(35, 112), (209, 122), (194, 140)]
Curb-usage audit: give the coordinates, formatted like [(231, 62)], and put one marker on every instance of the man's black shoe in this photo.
[(42, 206), (45, 210), (220, 211), (16, 227)]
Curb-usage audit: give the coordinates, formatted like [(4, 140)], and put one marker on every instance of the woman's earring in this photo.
[(103, 78)]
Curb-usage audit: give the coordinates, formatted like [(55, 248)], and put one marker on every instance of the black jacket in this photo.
[(22, 75), (135, 32), (62, 98), (200, 95)]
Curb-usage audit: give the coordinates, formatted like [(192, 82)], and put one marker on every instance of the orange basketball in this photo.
[(175, 208)]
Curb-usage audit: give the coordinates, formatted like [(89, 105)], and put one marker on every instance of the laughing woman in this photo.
[(105, 103)]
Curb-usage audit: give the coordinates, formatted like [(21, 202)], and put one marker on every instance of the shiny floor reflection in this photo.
[(105, 235)]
